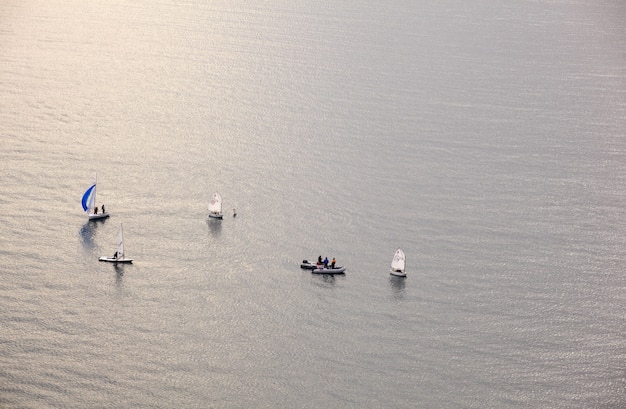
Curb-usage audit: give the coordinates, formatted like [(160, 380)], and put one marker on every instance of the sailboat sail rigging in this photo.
[(118, 256), (120, 243)]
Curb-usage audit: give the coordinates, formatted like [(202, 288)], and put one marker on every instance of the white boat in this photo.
[(329, 270), (308, 265), (118, 256), (89, 204), (215, 206), (311, 265), (397, 264)]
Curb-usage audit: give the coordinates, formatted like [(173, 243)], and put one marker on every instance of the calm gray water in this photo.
[(485, 138)]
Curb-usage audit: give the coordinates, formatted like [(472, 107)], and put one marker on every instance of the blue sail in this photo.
[(88, 198)]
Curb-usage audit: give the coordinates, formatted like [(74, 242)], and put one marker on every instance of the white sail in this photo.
[(216, 203), (215, 206), (120, 243), (398, 262)]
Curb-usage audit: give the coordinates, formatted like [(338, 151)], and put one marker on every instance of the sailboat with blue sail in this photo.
[(89, 203)]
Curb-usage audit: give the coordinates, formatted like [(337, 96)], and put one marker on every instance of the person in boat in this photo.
[(332, 263), (103, 211), (115, 255), (319, 260), (325, 262), (95, 210)]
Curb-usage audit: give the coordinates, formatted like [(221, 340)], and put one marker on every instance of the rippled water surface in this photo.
[(485, 139)]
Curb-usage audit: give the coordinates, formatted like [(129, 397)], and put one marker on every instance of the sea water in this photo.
[(485, 139)]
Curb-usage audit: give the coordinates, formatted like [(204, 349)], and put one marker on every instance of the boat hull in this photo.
[(336, 270), (216, 216), (307, 265), (398, 273), (116, 260), (98, 216)]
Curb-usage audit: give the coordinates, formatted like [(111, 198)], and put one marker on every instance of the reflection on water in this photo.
[(329, 278), (119, 274), (88, 232), (397, 285), (326, 280), (215, 226), (86, 235)]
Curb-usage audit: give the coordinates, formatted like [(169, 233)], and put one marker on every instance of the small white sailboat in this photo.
[(89, 203), (118, 256), (215, 206), (397, 264)]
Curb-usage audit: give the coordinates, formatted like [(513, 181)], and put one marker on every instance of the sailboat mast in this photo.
[(120, 245), (95, 187)]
